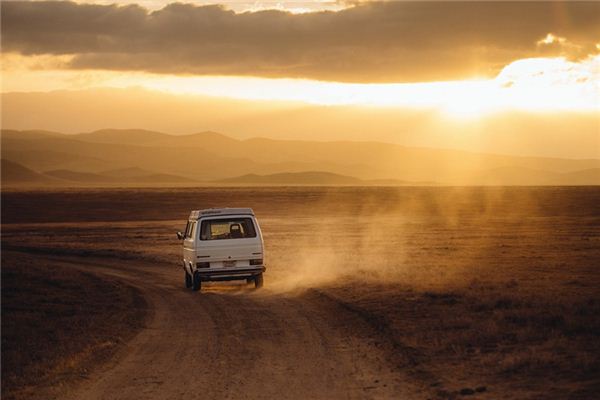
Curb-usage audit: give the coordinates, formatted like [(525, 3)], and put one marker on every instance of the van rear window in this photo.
[(227, 228)]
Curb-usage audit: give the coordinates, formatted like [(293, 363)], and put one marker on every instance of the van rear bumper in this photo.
[(229, 274)]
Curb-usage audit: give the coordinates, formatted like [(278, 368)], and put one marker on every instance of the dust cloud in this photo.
[(412, 236)]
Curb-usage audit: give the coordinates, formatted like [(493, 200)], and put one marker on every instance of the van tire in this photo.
[(188, 280), (197, 282), (258, 281)]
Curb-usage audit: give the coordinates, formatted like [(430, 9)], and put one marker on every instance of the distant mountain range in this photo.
[(145, 158)]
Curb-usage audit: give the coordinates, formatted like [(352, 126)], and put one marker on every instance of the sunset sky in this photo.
[(518, 66)]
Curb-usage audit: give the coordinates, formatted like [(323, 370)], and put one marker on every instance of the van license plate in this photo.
[(228, 264)]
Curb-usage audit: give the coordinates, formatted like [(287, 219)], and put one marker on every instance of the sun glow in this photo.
[(537, 84)]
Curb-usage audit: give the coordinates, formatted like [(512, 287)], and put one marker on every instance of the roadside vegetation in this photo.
[(58, 323), (488, 340)]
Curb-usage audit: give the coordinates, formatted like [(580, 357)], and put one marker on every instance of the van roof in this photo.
[(220, 211)]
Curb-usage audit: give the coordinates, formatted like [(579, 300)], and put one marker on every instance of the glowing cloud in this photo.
[(371, 42)]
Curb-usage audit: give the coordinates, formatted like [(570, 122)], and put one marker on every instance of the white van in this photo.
[(222, 244)]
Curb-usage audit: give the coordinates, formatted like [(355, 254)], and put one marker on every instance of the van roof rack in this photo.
[(220, 211)]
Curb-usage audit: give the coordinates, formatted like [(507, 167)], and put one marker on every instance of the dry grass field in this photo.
[(484, 292), (57, 323)]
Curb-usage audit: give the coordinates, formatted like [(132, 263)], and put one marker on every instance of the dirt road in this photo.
[(232, 342)]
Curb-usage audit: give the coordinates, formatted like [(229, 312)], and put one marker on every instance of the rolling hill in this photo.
[(17, 174), (73, 176), (293, 178), (14, 174)]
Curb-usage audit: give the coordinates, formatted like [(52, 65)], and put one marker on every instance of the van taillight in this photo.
[(258, 261), (203, 264)]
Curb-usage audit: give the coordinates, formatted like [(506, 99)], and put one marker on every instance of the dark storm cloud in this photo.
[(391, 41)]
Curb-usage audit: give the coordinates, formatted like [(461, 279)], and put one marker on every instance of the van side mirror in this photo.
[(179, 235)]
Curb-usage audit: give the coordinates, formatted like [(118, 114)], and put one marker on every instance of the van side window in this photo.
[(191, 228), (227, 228)]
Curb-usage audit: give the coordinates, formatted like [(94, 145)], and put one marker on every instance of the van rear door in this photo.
[(229, 241)]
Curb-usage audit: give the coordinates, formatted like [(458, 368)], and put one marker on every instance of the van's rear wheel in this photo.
[(188, 280), (197, 283), (258, 281)]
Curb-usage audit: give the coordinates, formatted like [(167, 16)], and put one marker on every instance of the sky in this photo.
[(466, 62)]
